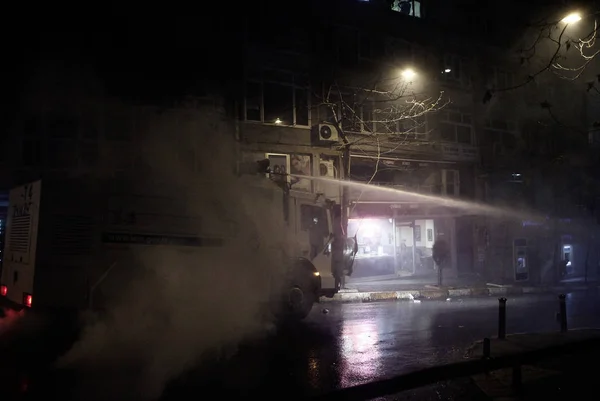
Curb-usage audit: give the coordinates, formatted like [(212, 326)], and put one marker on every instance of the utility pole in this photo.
[(345, 203)]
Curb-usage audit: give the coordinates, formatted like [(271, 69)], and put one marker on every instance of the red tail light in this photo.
[(3, 290), (27, 300)]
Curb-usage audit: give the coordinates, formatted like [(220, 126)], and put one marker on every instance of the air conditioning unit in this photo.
[(330, 189), (327, 169), (326, 133)]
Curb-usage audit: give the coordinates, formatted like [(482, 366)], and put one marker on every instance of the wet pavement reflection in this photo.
[(354, 344)]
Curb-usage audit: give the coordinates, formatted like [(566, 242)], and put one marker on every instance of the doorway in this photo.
[(414, 244), (375, 257)]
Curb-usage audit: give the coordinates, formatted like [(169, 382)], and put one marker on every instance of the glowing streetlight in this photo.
[(571, 18), (447, 70), (409, 73), (278, 121)]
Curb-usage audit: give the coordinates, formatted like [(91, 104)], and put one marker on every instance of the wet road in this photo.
[(358, 343)]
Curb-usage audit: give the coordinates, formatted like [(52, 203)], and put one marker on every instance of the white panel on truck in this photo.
[(21, 241)]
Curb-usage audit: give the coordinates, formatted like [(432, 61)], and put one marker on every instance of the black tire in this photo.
[(301, 291), (299, 302)]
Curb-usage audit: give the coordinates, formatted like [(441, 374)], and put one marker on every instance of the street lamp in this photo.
[(571, 18), (408, 73)]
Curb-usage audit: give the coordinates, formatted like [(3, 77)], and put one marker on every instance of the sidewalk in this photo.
[(563, 376), (418, 288), (413, 282)]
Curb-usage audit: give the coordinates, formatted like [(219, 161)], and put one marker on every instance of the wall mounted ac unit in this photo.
[(327, 169), (330, 189), (327, 133)]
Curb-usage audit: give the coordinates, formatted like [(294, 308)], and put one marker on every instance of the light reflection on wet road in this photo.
[(358, 343)]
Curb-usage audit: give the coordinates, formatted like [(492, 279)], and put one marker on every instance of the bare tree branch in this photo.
[(378, 119)]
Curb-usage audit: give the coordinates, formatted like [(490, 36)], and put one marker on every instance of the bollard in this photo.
[(502, 318), (562, 303), (486, 348)]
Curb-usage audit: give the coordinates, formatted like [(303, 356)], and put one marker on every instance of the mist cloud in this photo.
[(183, 306)]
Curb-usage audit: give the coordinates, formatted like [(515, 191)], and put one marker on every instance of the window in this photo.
[(347, 45), (279, 166), (501, 134), (516, 178), (450, 182), (594, 136), (456, 126), (452, 68), (344, 106), (368, 117), (414, 128), (503, 79), (314, 217), (276, 97), (352, 120), (370, 47), (407, 7), (398, 50), (278, 103), (391, 121)]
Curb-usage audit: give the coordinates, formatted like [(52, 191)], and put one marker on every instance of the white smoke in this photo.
[(183, 306)]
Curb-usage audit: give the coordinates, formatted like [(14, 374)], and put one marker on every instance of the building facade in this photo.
[(344, 71), (536, 158), (322, 92)]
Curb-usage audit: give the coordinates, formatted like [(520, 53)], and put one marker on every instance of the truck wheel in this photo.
[(299, 302)]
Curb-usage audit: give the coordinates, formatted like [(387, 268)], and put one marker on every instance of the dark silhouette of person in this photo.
[(440, 252)]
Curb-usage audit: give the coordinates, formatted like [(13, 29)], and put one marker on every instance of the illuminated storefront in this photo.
[(403, 212), (396, 239)]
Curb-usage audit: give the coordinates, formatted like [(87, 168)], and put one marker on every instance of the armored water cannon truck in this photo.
[(67, 240)]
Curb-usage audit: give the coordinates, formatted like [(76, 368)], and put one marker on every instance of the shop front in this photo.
[(396, 239), (404, 211)]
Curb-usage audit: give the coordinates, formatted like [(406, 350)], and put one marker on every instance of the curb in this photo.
[(409, 295)]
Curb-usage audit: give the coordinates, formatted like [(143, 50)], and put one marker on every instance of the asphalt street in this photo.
[(341, 345)]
